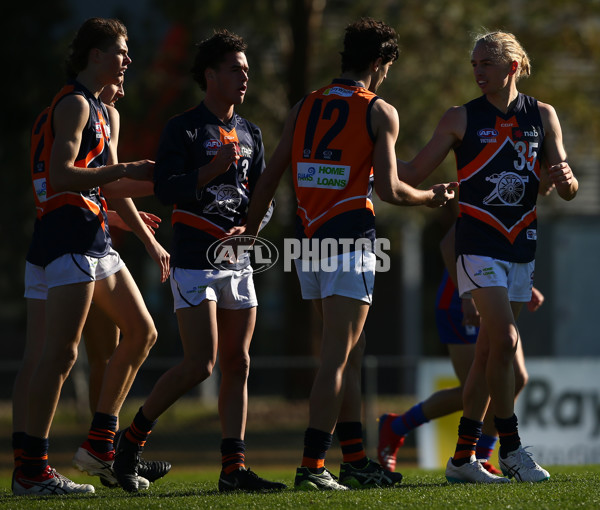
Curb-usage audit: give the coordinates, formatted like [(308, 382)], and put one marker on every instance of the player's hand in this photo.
[(140, 170), (561, 174), (226, 155), (537, 300), (441, 194), (236, 231), (160, 256), (150, 220), (237, 242)]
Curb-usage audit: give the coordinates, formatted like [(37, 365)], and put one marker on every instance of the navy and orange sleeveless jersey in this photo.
[(499, 174), (332, 163), (71, 221), (189, 141)]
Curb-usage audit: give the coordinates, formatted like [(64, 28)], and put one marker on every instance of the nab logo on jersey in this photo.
[(522, 133)]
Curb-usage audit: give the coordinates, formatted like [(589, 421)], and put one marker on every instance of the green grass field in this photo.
[(570, 487)]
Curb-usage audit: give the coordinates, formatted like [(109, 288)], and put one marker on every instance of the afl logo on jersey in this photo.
[(212, 146), (213, 143), (487, 133)]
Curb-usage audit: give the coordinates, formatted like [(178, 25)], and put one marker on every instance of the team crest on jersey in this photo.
[(338, 91), (98, 129), (509, 189), (509, 205), (226, 202)]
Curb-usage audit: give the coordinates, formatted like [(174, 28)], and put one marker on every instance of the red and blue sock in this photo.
[(410, 420), (485, 446)]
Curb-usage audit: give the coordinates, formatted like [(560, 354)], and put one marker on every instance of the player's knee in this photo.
[(504, 348), (144, 337), (521, 379), (193, 373), (236, 366), (63, 360), (151, 336)]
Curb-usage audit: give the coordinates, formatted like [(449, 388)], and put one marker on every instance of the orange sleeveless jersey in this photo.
[(332, 154), (72, 221), (38, 164), (93, 153)]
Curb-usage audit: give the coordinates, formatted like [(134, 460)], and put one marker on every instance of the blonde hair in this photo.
[(506, 48)]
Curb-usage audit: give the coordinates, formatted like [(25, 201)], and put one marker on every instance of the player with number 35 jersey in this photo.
[(499, 174)]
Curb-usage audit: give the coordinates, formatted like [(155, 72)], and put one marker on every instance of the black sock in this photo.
[(508, 432)]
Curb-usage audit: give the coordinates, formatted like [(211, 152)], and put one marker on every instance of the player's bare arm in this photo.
[(126, 209), (554, 154), (267, 183), (69, 119), (385, 122), (448, 133)]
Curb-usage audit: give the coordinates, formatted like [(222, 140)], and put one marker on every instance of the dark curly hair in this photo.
[(211, 52), (366, 40), (94, 33)]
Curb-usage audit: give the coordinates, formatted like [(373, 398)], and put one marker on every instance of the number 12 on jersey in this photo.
[(337, 109)]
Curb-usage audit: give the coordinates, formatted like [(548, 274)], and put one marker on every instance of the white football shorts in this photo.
[(77, 268), (350, 274), (476, 271), (232, 290)]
